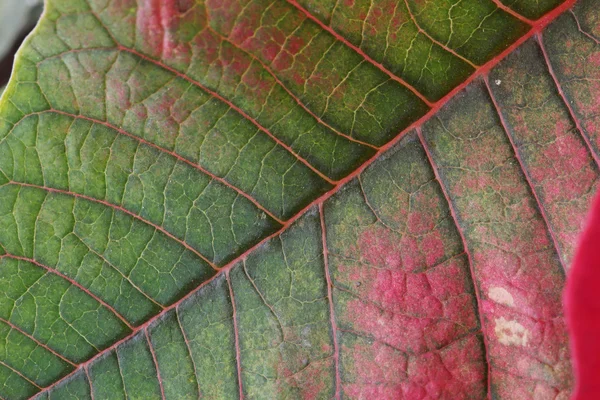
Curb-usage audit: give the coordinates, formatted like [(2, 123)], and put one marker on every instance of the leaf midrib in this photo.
[(536, 28)]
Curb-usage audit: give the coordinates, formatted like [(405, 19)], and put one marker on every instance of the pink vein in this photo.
[(119, 208), (238, 353), (229, 103), (334, 328), (72, 282), (87, 376), (160, 383), (22, 332), (189, 349), (20, 374), (292, 95), (443, 46), (512, 12), (524, 169), (563, 96), (581, 30), (469, 257), (100, 256), (360, 52), (171, 153)]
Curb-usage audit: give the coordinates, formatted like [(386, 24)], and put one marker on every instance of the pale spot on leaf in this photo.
[(502, 296), (511, 333)]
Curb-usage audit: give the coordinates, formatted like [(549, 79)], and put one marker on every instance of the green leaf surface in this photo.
[(295, 198)]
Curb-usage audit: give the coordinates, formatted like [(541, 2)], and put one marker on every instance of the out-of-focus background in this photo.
[(17, 18)]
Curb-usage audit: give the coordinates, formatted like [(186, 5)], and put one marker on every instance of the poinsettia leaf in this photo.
[(305, 199)]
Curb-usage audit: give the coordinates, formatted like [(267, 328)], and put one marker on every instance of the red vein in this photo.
[(169, 152), (334, 328), (42, 345), (238, 353), (563, 96), (160, 383), (213, 94), (582, 31), (230, 104), (292, 95), (189, 349), (524, 169), (512, 12), (539, 25), (443, 46), (360, 52), (87, 376), (468, 254), (118, 208), (72, 282), (100, 256), (20, 374), (120, 372)]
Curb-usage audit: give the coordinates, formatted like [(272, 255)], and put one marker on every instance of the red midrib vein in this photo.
[(538, 26)]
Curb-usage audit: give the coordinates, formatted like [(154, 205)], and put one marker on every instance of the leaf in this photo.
[(294, 199), (581, 304)]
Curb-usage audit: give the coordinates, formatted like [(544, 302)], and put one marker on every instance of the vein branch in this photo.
[(467, 252), (72, 282), (361, 52), (525, 171), (231, 105), (121, 209), (512, 12), (236, 332), (37, 342), (171, 153), (334, 327), (442, 45), (565, 100)]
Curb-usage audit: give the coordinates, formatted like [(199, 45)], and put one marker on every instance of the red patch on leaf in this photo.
[(295, 44), (381, 372)]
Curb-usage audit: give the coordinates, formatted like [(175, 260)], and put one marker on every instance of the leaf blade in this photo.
[(286, 374)]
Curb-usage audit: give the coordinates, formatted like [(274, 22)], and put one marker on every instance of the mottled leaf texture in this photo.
[(309, 199)]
